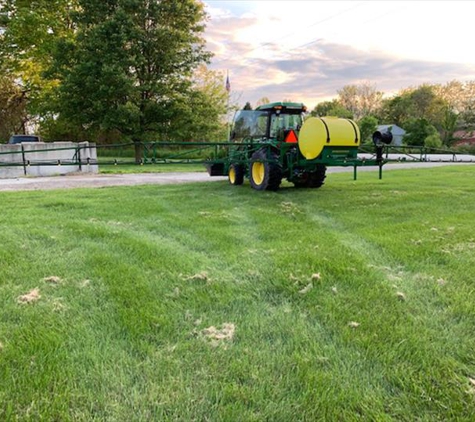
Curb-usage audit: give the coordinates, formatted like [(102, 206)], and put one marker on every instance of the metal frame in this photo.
[(227, 153)]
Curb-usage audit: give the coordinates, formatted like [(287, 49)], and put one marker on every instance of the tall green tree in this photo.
[(30, 30), (418, 130), (397, 110), (419, 103), (202, 116), (130, 67)]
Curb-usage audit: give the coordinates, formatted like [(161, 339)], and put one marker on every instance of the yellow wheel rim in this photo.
[(232, 175), (258, 172)]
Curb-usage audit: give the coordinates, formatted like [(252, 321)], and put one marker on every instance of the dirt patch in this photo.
[(30, 297), (217, 336)]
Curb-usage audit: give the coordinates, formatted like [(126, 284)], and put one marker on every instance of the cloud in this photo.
[(266, 66), (317, 74)]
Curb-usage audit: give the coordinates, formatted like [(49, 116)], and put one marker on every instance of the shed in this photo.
[(398, 133)]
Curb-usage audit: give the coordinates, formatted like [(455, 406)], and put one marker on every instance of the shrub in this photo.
[(433, 141)]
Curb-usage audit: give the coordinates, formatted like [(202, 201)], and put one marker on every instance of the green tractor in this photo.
[(274, 142)]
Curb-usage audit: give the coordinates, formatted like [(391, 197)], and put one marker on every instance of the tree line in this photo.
[(108, 71), (429, 113)]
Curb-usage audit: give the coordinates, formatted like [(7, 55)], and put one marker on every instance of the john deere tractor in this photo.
[(274, 142)]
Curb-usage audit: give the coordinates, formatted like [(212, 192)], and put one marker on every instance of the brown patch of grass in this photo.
[(401, 296), (30, 297), (217, 336), (306, 289), (202, 276), (53, 279)]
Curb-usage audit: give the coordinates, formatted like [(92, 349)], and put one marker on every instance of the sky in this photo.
[(306, 51)]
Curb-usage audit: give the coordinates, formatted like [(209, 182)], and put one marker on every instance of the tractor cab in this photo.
[(277, 122)]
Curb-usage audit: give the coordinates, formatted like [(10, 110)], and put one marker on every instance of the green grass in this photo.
[(166, 262), (150, 168)]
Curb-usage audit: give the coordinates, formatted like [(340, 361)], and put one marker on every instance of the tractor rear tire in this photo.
[(263, 174), (313, 179), (236, 174), (317, 178)]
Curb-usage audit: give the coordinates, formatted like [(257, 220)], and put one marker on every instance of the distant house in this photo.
[(464, 137), (398, 133)]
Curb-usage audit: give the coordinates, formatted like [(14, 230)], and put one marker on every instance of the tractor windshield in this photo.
[(249, 124), (283, 121)]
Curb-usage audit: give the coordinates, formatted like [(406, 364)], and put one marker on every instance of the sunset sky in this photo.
[(307, 50)]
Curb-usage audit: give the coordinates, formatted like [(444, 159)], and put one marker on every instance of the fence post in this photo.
[(23, 159), (79, 157)]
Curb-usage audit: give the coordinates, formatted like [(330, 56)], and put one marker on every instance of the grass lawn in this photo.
[(212, 302), (149, 168)]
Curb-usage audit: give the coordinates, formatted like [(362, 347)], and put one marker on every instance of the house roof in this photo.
[(396, 130)]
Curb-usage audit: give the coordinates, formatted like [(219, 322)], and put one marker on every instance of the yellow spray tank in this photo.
[(320, 132)]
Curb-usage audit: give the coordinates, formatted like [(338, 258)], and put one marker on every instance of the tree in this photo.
[(417, 130), (30, 32), (13, 114), (427, 105), (131, 65), (331, 108), (262, 101), (361, 100), (416, 103), (368, 126), (397, 110), (449, 125), (348, 98), (202, 117)]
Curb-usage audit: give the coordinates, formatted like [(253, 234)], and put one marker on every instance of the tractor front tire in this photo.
[(264, 174), (236, 174)]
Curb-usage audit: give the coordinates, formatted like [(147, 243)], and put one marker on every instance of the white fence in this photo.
[(47, 159)]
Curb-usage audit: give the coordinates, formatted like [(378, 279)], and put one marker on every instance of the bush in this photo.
[(417, 130), (433, 141)]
